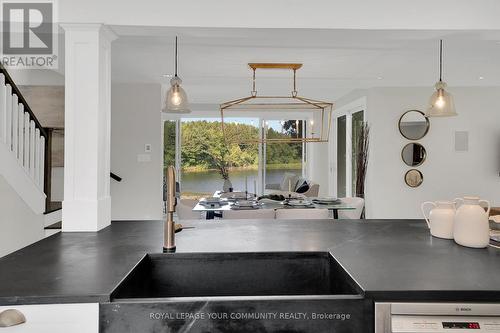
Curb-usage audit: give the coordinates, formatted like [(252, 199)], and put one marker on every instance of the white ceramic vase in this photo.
[(471, 227), (441, 218)]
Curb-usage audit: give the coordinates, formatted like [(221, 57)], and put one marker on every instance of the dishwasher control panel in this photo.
[(437, 317), (425, 324)]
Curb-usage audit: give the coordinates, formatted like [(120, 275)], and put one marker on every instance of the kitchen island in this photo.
[(388, 259)]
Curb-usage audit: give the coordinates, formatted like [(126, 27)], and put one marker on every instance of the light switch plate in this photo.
[(461, 141)]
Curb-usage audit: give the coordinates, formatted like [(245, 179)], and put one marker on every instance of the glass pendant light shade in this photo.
[(441, 103), (176, 100)]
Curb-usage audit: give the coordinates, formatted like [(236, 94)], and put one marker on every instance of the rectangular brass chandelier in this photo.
[(317, 111)]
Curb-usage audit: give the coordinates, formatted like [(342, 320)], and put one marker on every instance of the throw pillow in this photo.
[(300, 181), (303, 188)]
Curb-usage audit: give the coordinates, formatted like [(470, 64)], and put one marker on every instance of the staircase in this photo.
[(24, 159)]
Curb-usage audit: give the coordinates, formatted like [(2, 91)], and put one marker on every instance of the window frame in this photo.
[(262, 147)]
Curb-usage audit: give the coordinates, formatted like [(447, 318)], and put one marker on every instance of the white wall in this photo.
[(20, 226), (333, 14), (319, 166), (136, 121), (447, 174), (37, 77)]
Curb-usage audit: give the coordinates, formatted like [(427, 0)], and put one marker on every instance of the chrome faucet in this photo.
[(169, 227)]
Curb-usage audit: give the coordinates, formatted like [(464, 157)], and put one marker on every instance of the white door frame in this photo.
[(347, 111)]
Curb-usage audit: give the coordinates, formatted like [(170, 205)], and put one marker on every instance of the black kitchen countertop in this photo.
[(390, 259)]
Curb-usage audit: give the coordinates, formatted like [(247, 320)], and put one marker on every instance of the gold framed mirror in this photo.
[(413, 154), (414, 178), (413, 125)]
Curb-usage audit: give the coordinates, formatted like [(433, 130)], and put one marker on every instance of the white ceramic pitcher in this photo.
[(441, 218), (471, 223)]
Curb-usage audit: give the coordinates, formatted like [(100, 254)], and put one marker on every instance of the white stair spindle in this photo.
[(20, 137), (8, 116), (15, 126), (42, 162), (32, 149), (37, 156), (27, 141), (3, 121)]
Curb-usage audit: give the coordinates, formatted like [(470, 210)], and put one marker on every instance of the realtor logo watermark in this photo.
[(29, 34)]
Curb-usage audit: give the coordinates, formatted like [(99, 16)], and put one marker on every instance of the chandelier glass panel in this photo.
[(317, 113)]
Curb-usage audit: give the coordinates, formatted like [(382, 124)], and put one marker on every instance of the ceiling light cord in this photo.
[(440, 60), (175, 56)]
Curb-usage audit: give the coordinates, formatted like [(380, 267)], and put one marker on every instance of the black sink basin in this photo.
[(237, 292), (236, 274)]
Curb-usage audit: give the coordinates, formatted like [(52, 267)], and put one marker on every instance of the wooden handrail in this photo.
[(115, 177), (20, 97)]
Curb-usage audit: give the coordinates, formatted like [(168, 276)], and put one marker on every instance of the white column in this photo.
[(87, 201)]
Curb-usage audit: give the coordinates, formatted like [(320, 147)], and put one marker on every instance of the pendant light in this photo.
[(176, 100), (441, 103)]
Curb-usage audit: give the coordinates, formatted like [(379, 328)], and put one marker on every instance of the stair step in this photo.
[(53, 218), (57, 225)]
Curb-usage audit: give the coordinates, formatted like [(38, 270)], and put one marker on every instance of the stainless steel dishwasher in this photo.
[(437, 317)]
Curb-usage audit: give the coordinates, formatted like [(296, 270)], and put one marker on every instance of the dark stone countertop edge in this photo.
[(53, 299), (376, 296)]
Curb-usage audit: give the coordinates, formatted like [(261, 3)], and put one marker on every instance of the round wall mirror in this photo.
[(414, 178), (413, 154), (413, 125)]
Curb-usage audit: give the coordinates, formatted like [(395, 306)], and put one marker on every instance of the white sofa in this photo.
[(295, 182)]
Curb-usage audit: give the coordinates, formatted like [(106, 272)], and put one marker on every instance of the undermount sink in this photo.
[(237, 292), (236, 274)]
